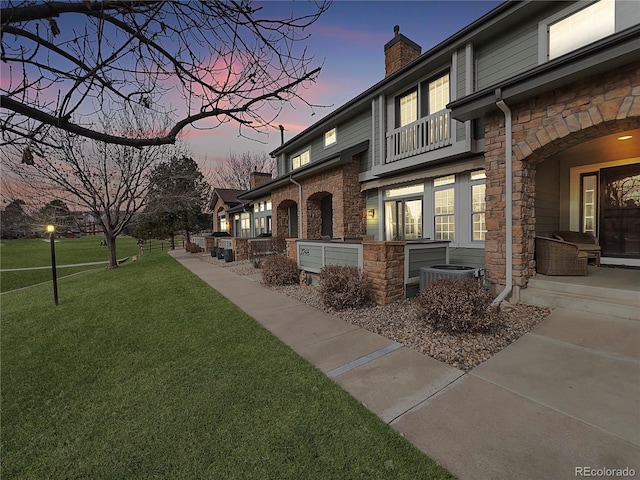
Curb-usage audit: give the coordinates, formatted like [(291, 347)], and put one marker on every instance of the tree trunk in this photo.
[(111, 244), (186, 231), (173, 240)]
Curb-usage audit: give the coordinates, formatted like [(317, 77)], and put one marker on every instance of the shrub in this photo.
[(344, 287), (459, 306), (258, 250), (279, 270), (192, 247), (279, 244)]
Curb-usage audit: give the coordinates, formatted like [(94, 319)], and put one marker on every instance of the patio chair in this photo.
[(556, 257), (585, 242)]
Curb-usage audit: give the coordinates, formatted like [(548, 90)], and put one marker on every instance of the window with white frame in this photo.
[(300, 160), (444, 207), (438, 94), (331, 137), (581, 24), (262, 217), (407, 108), (478, 205), (223, 224), (403, 212), (245, 225)]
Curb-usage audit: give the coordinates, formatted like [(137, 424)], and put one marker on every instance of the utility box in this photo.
[(434, 272)]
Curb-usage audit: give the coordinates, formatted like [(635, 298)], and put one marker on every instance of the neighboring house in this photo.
[(223, 200), (242, 218), (423, 154)]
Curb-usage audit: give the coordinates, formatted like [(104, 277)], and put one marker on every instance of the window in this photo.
[(438, 94), (330, 137), (269, 205), (407, 108), (223, 224), (300, 160), (408, 190), (574, 28), (478, 206), (245, 225), (589, 203), (403, 219), (444, 207)]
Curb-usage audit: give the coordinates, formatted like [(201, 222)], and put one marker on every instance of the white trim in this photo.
[(543, 27)]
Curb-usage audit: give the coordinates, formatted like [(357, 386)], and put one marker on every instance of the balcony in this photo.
[(426, 134)]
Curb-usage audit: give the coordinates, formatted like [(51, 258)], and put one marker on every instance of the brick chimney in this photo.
[(259, 178), (399, 52)]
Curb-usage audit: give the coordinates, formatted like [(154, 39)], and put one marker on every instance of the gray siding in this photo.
[(352, 132), (373, 224), (470, 257), (507, 55), (627, 14), (341, 256), (547, 197), (461, 75), (425, 258), (310, 257)]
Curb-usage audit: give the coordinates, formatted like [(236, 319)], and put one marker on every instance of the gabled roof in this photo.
[(228, 196)]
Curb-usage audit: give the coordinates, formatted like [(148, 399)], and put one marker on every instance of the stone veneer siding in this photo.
[(348, 202), (383, 263), (541, 127)]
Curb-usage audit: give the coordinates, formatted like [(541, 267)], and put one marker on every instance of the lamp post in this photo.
[(51, 229)]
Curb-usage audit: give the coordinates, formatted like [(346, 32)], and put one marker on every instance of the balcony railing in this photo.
[(428, 133)]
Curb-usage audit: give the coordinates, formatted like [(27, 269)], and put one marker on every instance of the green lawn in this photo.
[(37, 253), (146, 372)]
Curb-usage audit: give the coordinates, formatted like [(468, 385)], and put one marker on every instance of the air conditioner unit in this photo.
[(429, 274)]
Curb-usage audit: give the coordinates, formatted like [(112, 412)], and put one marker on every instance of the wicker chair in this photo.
[(555, 257), (584, 241)]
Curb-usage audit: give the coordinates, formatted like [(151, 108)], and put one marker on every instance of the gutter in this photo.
[(508, 214), (299, 205)]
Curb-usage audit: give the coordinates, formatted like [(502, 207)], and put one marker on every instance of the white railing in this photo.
[(428, 133)]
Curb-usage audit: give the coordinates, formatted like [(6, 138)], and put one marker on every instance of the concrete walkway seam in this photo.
[(431, 397), (600, 353), (364, 360)]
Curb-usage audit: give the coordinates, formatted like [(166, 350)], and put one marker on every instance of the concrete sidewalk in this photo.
[(562, 397)]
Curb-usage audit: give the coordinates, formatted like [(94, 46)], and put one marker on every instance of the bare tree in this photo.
[(235, 170), (225, 61), (108, 180)]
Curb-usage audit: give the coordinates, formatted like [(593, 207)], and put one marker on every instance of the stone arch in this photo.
[(542, 127), (319, 214), (217, 226), (286, 221)]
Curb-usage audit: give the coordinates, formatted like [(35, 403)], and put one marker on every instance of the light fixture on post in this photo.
[(51, 230)]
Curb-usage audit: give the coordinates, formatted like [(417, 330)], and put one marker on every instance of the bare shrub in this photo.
[(459, 306), (279, 270), (192, 247), (344, 287), (279, 244), (258, 250)]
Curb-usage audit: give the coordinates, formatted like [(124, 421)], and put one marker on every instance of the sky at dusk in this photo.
[(348, 40)]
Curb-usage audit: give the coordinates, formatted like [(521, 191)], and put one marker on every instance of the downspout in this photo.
[(509, 197), (299, 205)]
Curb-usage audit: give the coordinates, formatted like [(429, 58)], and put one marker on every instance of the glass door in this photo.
[(620, 211), (403, 219)]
